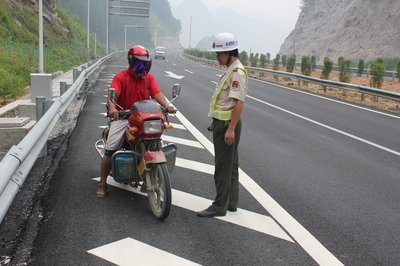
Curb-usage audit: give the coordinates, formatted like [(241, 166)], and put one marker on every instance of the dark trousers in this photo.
[(226, 175)]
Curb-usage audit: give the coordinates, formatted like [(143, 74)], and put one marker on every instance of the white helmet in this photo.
[(224, 42)]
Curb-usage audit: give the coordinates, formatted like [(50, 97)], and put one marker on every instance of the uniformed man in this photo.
[(226, 107)]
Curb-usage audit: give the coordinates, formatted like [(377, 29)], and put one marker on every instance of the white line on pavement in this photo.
[(329, 127), (186, 142), (188, 71), (329, 99), (247, 219), (129, 251), (178, 126), (196, 166), (300, 234)]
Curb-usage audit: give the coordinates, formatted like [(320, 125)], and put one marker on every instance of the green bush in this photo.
[(328, 64), (398, 70), (377, 72), (361, 66), (344, 70), (291, 63), (306, 65), (263, 60)]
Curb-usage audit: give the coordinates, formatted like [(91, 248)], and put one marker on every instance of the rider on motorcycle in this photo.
[(131, 85)]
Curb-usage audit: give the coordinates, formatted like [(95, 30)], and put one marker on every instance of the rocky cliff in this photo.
[(355, 29)]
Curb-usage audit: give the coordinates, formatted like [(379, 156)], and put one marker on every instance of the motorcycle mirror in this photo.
[(112, 95), (176, 90)]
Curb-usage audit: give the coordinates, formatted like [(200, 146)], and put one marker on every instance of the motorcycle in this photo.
[(145, 160)]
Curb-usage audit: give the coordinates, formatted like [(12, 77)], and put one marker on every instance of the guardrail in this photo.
[(323, 82), (17, 163)]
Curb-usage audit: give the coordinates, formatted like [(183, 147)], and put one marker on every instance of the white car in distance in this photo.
[(160, 52)]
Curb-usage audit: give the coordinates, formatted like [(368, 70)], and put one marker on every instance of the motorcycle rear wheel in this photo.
[(160, 196)]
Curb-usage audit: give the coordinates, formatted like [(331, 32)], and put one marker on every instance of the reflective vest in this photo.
[(224, 115)]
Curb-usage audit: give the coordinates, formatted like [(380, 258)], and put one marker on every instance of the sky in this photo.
[(282, 14)]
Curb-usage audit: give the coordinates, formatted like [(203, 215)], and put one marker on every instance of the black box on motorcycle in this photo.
[(124, 166), (170, 154)]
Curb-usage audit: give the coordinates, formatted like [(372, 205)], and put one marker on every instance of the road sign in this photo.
[(130, 8)]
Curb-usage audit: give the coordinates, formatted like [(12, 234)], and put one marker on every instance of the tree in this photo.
[(313, 63), (278, 57), (263, 60), (339, 61), (268, 58), (361, 66), (377, 72), (328, 64), (284, 60), (275, 63), (291, 63), (254, 60), (344, 70), (243, 57), (306, 65), (398, 70)]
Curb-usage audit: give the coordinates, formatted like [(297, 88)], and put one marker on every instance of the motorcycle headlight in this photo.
[(153, 127)]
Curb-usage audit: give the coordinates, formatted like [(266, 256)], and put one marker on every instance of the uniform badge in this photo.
[(235, 84)]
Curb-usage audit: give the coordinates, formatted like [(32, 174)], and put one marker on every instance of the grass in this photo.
[(64, 47)]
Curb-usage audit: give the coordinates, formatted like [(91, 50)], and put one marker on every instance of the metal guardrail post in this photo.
[(40, 110), (75, 74), (63, 89)]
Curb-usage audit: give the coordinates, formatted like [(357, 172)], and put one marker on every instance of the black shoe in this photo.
[(232, 209), (209, 212)]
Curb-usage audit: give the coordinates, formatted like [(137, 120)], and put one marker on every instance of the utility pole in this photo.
[(41, 65), (95, 45), (107, 24), (88, 25), (190, 33)]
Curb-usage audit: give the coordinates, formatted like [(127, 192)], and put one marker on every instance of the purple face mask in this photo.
[(140, 67)]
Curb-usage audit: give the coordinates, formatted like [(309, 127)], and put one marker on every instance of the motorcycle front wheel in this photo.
[(159, 194)]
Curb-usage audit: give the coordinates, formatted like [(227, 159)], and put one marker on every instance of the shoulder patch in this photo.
[(235, 84)]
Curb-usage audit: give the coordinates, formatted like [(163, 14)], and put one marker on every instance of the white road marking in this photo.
[(214, 82), (329, 99), (247, 219), (186, 142), (196, 166), (219, 75), (188, 71), (174, 64), (178, 126), (300, 234), (103, 127), (173, 75), (129, 251), (329, 127)]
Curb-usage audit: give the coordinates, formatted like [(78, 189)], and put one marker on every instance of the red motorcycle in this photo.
[(145, 161)]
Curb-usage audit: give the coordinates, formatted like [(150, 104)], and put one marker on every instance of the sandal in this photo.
[(101, 191)]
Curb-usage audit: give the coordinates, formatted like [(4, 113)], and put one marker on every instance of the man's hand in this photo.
[(210, 127), (170, 109), (229, 136), (113, 113)]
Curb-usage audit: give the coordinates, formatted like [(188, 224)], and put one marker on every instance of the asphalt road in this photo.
[(319, 185)]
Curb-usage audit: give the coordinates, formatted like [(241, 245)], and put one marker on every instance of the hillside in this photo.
[(64, 43), (355, 29)]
